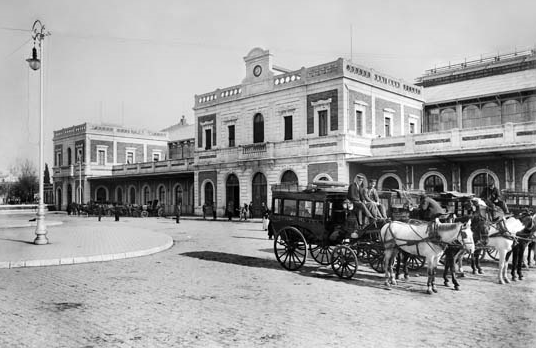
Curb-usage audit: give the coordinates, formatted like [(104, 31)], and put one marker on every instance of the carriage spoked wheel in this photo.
[(376, 259), (415, 262), (321, 253), (290, 248), (493, 253), (344, 261)]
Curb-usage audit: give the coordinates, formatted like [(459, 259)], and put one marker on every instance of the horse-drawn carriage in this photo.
[(316, 220)]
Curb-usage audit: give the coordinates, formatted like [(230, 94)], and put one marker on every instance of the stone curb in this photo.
[(86, 259), (32, 224)]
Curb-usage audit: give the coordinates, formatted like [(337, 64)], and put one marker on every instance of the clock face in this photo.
[(257, 70)]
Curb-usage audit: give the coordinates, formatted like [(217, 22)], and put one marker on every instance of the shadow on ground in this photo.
[(362, 278)]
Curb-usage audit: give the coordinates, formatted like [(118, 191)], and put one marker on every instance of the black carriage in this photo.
[(316, 220)]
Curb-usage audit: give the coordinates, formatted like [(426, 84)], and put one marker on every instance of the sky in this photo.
[(139, 63)]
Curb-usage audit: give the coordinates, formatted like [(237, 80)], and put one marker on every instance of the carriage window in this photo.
[(305, 208), (277, 206), (289, 207), (319, 210), (336, 211)]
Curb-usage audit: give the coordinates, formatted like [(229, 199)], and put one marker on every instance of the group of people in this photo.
[(366, 202)]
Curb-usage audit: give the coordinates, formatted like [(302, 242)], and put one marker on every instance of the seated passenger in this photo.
[(355, 195), (493, 198), (373, 200)]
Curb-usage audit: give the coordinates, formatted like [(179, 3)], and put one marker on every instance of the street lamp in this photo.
[(38, 34)]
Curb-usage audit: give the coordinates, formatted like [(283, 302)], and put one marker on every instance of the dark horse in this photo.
[(523, 238)]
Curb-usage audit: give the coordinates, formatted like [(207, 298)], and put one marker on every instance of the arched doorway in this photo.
[(480, 182), (69, 194), (259, 193), (390, 183), (132, 195), (119, 195), (178, 194), (209, 193), (433, 183), (232, 193), (58, 198), (532, 183), (101, 195), (289, 180)]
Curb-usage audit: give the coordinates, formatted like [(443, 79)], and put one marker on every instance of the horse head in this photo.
[(465, 237)]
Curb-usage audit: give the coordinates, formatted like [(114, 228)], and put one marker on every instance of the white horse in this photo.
[(423, 239)]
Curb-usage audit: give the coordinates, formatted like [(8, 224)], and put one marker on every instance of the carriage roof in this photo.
[(318, 190)]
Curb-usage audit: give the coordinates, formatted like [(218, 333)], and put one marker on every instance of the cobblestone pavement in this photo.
[(220, 286)]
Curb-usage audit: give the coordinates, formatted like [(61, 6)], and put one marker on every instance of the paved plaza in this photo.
[(219, 285)]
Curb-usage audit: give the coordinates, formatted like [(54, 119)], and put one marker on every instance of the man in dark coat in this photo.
[(355, 195), (492, 196)]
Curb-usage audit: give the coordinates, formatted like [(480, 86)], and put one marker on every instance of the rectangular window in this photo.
[(319, 210), (411, 128), (130, 157), (289, 207), (387, 125), (231, 136), (101, 157), (322, 122), (156, 157), (277, 206), (208, 139), (79, 155), (359, 122), (305, 208), (288, 127)]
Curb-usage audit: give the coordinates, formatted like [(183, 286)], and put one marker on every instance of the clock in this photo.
[(257, 70)]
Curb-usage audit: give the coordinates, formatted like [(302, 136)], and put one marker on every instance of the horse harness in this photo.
[(431, 231)]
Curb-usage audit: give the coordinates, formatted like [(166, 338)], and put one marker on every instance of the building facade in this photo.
[(457, 128)]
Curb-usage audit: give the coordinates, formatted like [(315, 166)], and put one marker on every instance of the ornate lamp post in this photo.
[(38, 35)]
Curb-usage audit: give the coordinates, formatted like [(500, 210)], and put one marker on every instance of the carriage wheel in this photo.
[(144, 213), (415, 262), (376, 260), (290, 248), (321, 253), (492, 252), (344, 261)]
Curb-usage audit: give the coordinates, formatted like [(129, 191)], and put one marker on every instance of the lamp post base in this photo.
[(41, 229)]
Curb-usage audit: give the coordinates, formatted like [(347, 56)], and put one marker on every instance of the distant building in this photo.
[(458, 128)]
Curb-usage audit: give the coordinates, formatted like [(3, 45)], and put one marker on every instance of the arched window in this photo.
[(390, 183), (69, 154), (132, 195), (480, 182), (101, 195), (209, 193), (258, 128), (119, 195), (178, 194), (491, 115), (433, 183), (532, 183), (471, 116), (512, 112), (146, 194), (447, 120), (289, 179), (162, 195)]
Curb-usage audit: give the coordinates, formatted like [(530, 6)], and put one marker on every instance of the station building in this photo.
[(457, 128)]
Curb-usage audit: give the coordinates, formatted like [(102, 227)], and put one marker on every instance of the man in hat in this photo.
[(355, 195), (373, 200), (492, 197)]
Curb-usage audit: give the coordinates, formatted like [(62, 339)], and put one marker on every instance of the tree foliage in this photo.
[(46, 179), (26, 187)]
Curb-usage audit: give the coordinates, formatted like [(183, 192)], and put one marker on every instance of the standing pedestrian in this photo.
[(230, 207), (204, 210), (250, 210), (213, 211), (99, 211), (116, 211), (178, 213), (265, 215)]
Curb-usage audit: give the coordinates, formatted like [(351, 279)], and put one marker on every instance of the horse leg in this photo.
[(429, 282), (388, 265), (397, 267), (406, 272), (435, 261), (521, 255), (447, 266), (503, 267)]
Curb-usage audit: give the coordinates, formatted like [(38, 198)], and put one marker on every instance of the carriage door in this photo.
[(232, 190), (258, 193)]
